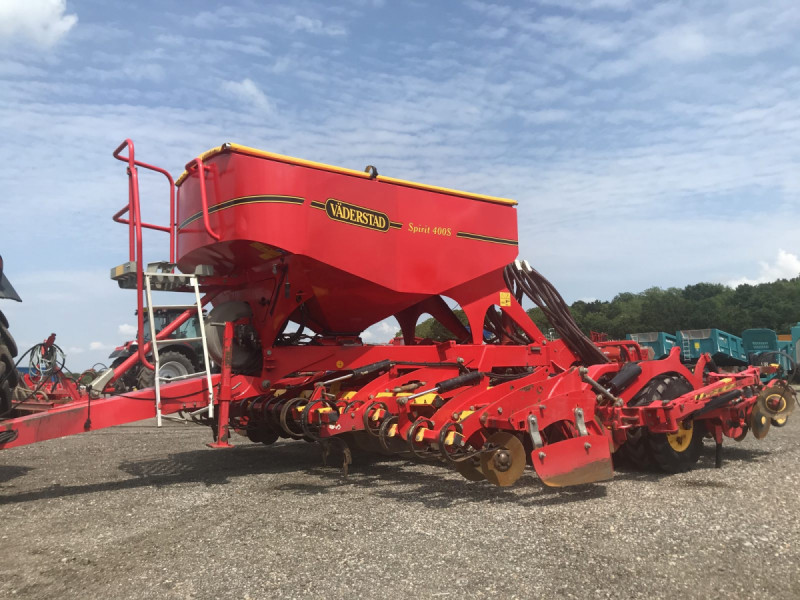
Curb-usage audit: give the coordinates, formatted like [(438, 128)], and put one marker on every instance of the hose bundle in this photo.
[(523, 280)]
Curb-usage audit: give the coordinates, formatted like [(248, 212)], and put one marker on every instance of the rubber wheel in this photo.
[(672, 453), (173, 364), (9, 377), (5, 399), (262, 435), (129, 380), (635, 450), (8, 340), (8, 371)]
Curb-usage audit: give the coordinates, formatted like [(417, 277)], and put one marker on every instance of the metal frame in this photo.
[(452, 398)]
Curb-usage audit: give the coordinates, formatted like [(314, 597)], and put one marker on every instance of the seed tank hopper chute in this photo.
[(298, 259)]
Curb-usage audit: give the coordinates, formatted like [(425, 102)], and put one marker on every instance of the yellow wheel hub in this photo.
[(775, 403), (681, 439)]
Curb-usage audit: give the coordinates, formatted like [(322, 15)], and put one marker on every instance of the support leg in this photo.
[(224, 396)]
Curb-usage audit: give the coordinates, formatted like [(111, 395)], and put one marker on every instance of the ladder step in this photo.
[(159, 274), (171, 306), (173, 340), (180, 377)]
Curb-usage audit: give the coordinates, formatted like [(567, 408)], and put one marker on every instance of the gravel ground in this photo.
[(141, 512)]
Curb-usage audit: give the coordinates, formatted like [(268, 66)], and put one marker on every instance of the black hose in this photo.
[(541, 292)]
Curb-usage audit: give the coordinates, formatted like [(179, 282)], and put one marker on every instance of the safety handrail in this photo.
[(133, 198), (135, 226), (198, 162)]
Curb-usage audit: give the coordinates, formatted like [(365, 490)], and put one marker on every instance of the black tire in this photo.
[(9, 377), (262, 435), (129, 380), (671, 453), (171, 362), (8, 340), (676, 453), (6, 395), (636, 450), (8, 372)]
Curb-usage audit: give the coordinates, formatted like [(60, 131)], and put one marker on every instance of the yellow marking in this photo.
[(392, 430), (343, 171), (450, 439), (464, 414), (384, 395), (306, 394), (420, 435), (339, 364), (425, 400), (267, 253), (348, 395), (377, 414), (505, 298)]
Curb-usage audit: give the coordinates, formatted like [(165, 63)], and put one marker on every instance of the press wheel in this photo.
[(505, 463), (759, 421), (470, 469)]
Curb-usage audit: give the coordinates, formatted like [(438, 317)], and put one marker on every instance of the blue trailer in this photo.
[(762, 346), (659, 342), (726, 349)]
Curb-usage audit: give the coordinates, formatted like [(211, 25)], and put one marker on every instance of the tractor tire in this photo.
[(129, 380), (8, 340), (173, 364), (9, 377), (671, 453), (8, 372)]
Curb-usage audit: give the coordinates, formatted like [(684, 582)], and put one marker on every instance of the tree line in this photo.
[(774, 305)]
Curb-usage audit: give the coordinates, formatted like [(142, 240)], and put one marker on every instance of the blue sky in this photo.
[(648, 144)]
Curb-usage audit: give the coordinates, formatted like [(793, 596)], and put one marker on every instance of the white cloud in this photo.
[(683, 43), (381, 332), (41, 22), (100, 346), (309, 25), (127, 330), (621, 149), (248, 92), (786, 266), (543, 117)]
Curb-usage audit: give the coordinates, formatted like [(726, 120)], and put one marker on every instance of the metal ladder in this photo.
[(686, 347), (161, 277)]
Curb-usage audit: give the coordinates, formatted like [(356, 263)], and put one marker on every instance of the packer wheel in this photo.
[(670, 452)]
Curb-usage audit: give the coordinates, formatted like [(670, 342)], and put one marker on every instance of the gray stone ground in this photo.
[(140, 512)]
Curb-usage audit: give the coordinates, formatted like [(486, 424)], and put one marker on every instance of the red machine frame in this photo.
[(280, 233)]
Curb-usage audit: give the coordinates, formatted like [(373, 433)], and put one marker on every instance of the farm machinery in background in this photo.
[(299, 258), (43, 384), (180, 357)]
